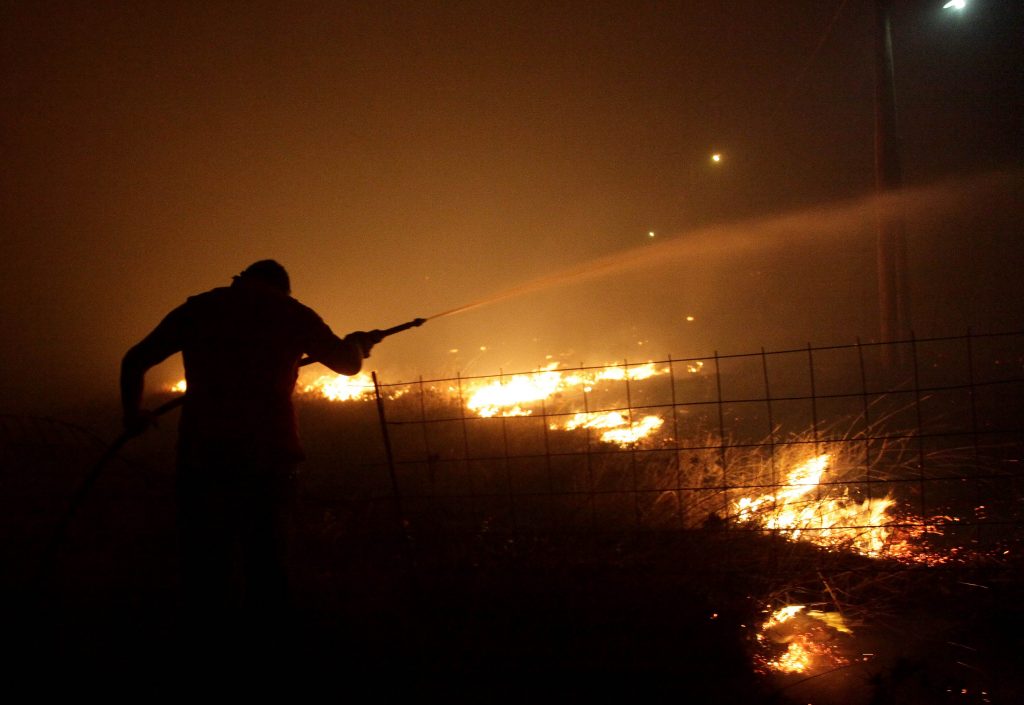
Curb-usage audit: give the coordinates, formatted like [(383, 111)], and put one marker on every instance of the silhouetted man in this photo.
[(238, 443)]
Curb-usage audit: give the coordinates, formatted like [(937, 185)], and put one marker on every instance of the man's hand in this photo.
[(363, 340), (136, 422)]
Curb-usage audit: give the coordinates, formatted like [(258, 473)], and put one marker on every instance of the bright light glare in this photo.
[(716, 157), (650, 233), (955, 5)]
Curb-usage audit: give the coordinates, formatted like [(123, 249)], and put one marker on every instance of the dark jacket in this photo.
[(241, 347)]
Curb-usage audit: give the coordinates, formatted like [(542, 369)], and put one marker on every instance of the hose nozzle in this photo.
[(379, 335)]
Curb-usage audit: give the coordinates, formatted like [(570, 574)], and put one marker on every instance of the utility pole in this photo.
[(893, 285)]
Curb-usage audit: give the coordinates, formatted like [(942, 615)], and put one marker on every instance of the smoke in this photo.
[(780, 280), (790, 231)]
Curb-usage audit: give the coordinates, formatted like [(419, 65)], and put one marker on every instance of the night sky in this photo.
[(406, 158)]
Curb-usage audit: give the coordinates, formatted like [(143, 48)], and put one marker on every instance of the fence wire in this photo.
[(865, 446)]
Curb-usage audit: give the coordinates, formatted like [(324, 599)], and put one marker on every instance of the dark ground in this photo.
[(519, 619), (520, 628), (472, 615)]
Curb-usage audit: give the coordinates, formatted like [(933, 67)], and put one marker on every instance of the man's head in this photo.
[(267, 272)]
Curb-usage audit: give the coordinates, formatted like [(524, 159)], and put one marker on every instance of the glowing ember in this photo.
[(180, 386), (797, 658), (907, 542)]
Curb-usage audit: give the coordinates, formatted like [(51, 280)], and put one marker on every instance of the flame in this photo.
[(340, 387), (509, 397), (796, 659), (803, 508), (179, 387), (514, 397), (781, 616), (618, 428), (809, 637), (518, 394), (505, 397)]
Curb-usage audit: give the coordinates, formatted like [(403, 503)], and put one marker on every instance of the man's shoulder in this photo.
[(307, 314), (210, 296), (227, 296)]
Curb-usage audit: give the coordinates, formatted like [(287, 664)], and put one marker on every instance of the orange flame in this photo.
[(515, 395), (803, 508), (340, 387), (506, 397), (809, 637), (617, 427)]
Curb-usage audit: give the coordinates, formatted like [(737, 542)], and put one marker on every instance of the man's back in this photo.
[(238, 445), (241, 347)]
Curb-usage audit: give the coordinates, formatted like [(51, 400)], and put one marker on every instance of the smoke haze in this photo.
[(405, 159)]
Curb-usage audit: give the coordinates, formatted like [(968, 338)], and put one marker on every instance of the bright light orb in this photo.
[(650, 233), (716, 158), (955, 5)]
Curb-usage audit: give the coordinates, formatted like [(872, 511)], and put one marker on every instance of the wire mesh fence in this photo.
[(862, 446)]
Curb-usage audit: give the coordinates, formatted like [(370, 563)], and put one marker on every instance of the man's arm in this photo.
[(342, 355), (164, 341)]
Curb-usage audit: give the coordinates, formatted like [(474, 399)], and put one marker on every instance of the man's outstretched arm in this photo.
[(342, 355), (156, 347)]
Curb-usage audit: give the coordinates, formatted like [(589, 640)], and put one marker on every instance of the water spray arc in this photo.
[(837, 222)]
